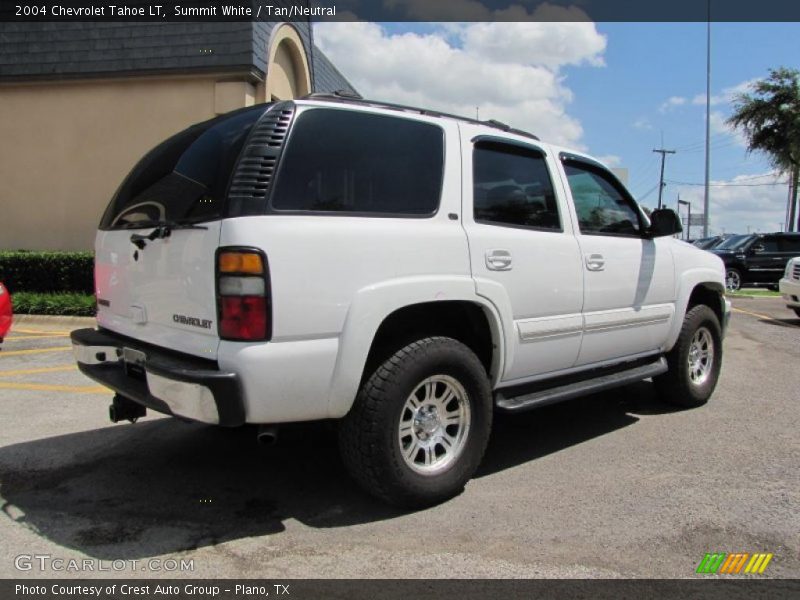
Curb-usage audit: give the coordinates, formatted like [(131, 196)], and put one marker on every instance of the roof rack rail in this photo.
[(354, 98)]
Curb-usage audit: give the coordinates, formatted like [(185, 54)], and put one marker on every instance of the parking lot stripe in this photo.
[(760, 316), (44, 332), (37, 351), (16, 338), (41, 387), (40, 370)]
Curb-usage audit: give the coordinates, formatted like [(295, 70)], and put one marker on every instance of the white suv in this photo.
[(404, 272), (790, 285)]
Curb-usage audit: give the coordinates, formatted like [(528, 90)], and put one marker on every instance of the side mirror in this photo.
[(664, 222)]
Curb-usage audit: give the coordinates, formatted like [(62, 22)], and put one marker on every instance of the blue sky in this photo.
[(612, 89)]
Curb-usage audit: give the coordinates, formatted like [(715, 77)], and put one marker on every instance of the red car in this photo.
[(5, 312)]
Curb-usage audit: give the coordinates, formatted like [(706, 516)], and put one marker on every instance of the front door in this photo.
[(629, 287)]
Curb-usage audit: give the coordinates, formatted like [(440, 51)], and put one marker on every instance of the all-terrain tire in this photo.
[(370, 435), (690, 381)]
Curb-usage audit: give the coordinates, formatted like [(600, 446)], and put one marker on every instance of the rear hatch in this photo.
[(155, 251)]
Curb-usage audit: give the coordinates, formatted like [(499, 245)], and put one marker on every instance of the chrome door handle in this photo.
[(498, 260), (595, 262)]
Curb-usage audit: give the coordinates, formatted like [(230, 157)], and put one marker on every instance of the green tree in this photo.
[(769, 116)]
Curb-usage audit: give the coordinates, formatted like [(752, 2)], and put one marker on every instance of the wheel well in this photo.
[(461, 320), (709, 295)]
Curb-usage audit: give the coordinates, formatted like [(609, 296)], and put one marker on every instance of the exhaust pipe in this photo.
[(267, 435)]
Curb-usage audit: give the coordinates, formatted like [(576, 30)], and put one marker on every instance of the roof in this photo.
[(347, 97)]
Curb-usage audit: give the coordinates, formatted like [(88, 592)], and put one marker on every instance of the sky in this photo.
[(614, 90)]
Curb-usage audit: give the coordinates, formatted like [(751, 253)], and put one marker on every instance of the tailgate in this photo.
[(162, 294)]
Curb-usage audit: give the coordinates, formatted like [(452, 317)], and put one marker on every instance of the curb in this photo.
[(54, 320)]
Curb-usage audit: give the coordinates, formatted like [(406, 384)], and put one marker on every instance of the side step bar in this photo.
[(567, 391)]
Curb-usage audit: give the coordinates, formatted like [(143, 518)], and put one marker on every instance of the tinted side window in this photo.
[(791, 244), (512, 186), (601, 206), (185, 178), (342, 161), (767, 244)]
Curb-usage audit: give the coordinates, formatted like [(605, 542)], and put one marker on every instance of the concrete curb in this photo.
[(50, 320)]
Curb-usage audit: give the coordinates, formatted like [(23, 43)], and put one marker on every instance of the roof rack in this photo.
[(347, 96)]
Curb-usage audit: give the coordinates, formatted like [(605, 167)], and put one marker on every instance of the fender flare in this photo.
[(687, 283), (374, 303)]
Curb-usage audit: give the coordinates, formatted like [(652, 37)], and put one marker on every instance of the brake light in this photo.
[(243, 299)]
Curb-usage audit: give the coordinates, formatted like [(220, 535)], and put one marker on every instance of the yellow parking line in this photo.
[(48, 331), (38, 351), (18, 372), (760, 316), (40, 387), (16, 338)]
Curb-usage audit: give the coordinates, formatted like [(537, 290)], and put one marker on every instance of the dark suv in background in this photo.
[(757, 259)]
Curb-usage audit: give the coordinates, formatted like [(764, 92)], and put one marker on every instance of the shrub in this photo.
[(69, 304), (47, 272)]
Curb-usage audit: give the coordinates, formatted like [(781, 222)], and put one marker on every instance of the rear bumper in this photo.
[(165, 381)]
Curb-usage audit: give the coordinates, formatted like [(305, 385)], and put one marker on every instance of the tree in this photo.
[(770, 119)]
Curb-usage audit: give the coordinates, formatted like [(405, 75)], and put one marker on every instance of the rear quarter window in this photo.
[(349, 162)]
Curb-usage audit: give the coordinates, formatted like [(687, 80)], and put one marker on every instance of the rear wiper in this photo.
[(163, 229)]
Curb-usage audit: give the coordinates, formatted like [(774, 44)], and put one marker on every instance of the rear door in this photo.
[(766, 259), (155, 251), (521, 241)]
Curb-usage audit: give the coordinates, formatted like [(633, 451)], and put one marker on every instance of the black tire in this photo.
[(733, 279), (676, 385), (368, 435), (773, 288)]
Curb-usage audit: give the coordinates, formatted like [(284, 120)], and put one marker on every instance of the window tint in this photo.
[(790, 243), (185, 178), (601, 206), (735, 242), (342, 161), (511, 185), (769, 244)]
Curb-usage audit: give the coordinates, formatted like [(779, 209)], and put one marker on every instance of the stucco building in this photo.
[(80, 103)]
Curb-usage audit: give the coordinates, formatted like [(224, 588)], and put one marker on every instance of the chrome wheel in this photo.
[(701, 356), (434, 424), (733, 281)]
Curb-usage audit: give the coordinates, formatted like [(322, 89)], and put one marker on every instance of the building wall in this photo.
[(70, 131), (65, 147)]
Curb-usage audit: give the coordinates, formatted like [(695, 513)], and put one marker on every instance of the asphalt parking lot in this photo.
[(612, 485)]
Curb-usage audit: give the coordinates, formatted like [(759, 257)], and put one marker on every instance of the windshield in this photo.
[(185, 178), (735, 242)]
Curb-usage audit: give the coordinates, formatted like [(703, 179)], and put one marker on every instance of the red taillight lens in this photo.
[(243, 317)]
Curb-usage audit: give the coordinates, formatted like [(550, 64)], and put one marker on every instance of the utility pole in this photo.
[(661, 181), (707, 187)]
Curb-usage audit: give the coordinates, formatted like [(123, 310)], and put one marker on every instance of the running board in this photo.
[(527, 401)]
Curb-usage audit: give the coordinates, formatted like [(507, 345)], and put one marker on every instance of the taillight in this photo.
[(243, 299)]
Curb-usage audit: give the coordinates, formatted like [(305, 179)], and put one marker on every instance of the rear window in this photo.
[(340, 161), (185, 178)]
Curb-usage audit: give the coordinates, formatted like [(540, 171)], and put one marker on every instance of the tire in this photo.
[(733, 280), (773, 288), (372, 443), (688, 383)]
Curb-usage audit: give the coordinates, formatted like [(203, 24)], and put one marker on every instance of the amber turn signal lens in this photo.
[(241, 262)]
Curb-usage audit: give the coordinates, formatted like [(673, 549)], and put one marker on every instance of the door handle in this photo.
[(498, 260), (595, 262)]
